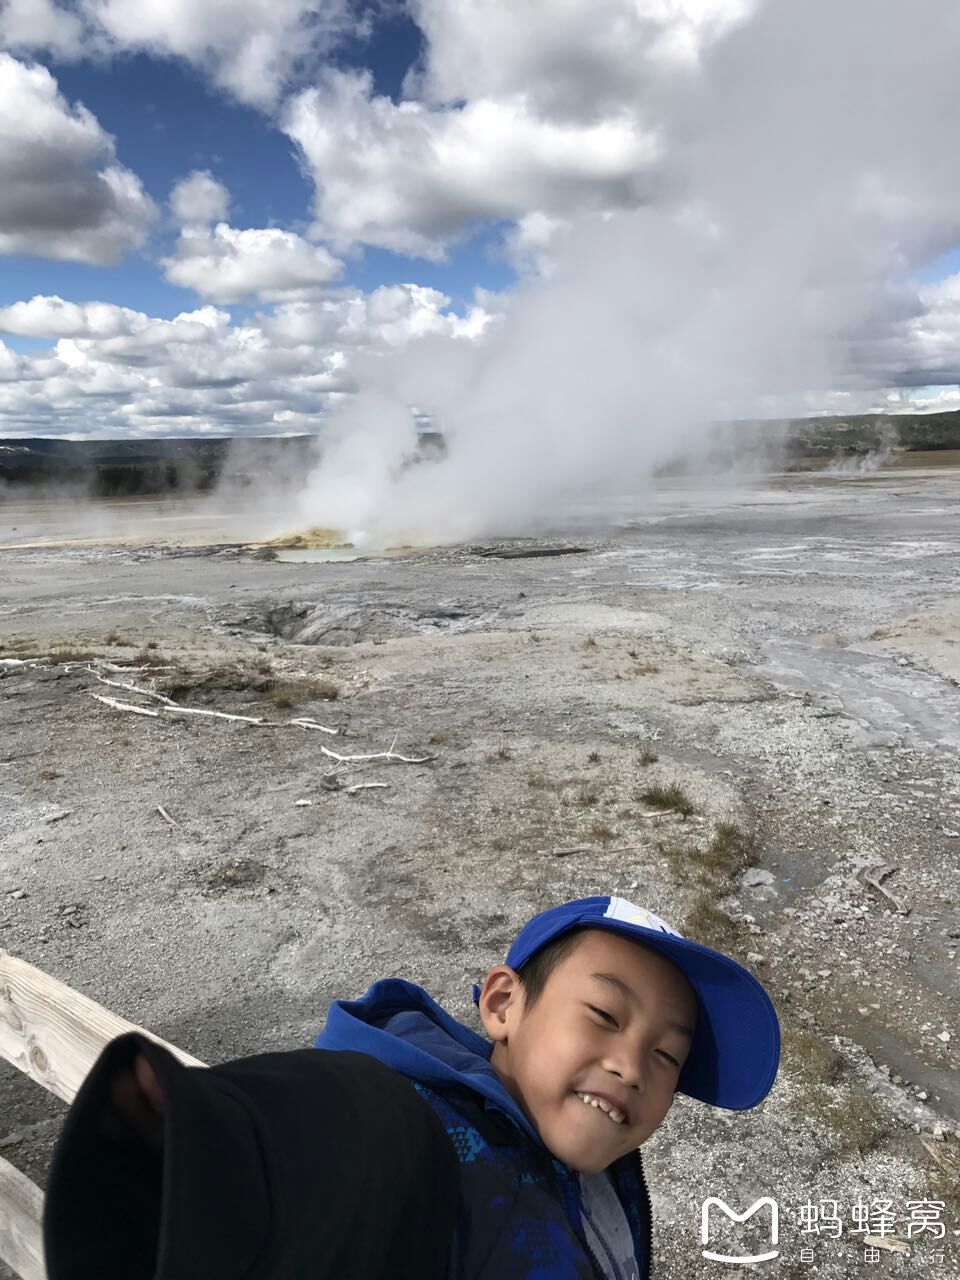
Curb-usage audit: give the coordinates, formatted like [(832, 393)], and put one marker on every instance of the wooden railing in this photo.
[(53, 1034)]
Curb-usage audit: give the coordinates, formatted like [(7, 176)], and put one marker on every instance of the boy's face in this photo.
[(618, 1038)]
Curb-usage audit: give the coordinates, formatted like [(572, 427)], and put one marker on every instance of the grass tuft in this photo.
[(730, 851), (711, 926), (69, 654), (602, 832), (809, 1055), (672, 798)]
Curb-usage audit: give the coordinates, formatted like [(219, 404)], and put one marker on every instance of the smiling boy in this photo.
[(409, 1145), (592, 1056)]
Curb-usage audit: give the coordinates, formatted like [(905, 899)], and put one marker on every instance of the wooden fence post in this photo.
[(53, 1034)]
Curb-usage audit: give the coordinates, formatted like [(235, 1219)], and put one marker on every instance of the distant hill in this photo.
[(111, 468), (862, 433)]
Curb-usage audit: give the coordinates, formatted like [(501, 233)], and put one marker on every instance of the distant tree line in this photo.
[(863, 433), (120, 468), (127, 468)]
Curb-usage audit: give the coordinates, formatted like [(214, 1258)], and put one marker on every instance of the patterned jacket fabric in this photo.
[(520, 1216)]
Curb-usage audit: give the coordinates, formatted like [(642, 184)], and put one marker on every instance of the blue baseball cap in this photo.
[(735, 1052)]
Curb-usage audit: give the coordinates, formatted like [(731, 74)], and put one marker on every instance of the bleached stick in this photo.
[(132, 688), (376, 755), (364, 786), (176, 707), (124, 706), (176, 710), (304, 723), (166, 817)]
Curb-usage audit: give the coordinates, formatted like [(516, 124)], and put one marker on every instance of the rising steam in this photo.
[(807, 166)]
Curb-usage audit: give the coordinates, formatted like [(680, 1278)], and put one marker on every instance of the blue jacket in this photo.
[(521, 1211)]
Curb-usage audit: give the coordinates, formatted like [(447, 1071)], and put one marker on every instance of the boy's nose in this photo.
[(629, 1068)]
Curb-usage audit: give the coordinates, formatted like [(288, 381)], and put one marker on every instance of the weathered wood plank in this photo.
[(21, 1210), (54, 1033)]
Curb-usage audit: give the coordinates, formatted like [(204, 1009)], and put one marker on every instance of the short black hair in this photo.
[(533, 973)]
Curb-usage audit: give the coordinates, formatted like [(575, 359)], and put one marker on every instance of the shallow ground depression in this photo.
[(733, 705)]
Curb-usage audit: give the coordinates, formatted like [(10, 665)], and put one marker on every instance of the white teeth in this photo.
[(616, 1116)]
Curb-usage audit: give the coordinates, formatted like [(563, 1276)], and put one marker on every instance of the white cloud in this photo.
[(51, 317), (411, 178), (571, 59), (62, 194), (229, 265), (40, 24), (199, 200), (116, 372), (249, 47)]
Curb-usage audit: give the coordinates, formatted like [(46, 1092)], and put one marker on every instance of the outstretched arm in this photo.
[(309, 1165)]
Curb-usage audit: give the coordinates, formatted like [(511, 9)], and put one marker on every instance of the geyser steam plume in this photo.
[(803, 168)]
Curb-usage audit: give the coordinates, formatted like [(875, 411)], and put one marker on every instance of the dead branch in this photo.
[(365, 786), (376, 755), (587, 848), (170, 708), (124, 706), (305, 723), (166, 817), (177, 708), (174, 709), (132, 688)]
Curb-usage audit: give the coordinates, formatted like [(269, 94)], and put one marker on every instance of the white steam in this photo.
[(807, 167)]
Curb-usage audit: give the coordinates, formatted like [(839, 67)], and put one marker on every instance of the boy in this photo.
[(452, 1156)]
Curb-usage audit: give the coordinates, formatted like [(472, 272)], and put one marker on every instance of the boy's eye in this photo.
[(603, 1014), (671, 1059)]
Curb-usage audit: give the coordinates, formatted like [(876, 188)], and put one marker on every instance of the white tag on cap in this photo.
[(630, 913)]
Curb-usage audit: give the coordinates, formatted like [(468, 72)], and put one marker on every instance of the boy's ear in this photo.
[(501, 1001)]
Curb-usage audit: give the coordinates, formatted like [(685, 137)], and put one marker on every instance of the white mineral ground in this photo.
[(787, 648)]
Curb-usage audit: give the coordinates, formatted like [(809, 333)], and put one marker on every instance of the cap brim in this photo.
[(735, 1052)]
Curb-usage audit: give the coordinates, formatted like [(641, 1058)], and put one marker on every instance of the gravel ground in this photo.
[(784, 649)]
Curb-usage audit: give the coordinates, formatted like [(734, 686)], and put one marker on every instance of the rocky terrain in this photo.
[(738, 706)]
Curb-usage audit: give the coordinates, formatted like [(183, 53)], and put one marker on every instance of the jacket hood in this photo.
[(398, 1023)]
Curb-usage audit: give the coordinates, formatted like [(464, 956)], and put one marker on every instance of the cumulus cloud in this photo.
[(199, 200), (63, 193), (412, 178), (40, 24), (114, 372), (229, 265), (573, 60), (51, 317), (249, 47)]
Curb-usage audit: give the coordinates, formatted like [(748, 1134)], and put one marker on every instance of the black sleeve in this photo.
[(308, 1165)]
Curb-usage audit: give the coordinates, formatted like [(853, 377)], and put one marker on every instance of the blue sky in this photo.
[(288, 190), (168, 119)]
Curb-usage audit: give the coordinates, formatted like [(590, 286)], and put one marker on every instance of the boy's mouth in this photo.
[(605, 1105)]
